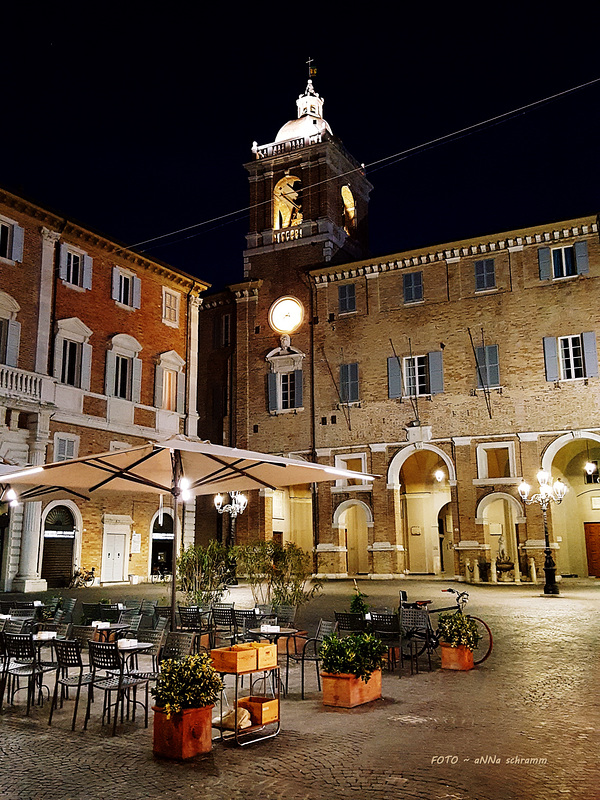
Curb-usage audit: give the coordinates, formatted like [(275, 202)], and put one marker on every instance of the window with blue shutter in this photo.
[(12, 237), (12, 340), (346, 298), (488, 369), (485, 274), (412, 287), (571, 357), (563, 262), (349, 392)]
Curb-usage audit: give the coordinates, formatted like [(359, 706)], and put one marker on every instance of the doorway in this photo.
[(59, 541), (592, 546)]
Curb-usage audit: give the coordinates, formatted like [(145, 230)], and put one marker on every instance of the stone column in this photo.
[(191, 422), (28, 577), (49, 239)]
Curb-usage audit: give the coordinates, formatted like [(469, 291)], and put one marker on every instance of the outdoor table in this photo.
[(272, 635), (106, 632), (131, 648)]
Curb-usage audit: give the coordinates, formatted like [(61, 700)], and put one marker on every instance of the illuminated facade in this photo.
[(98, 351), (450, 372)]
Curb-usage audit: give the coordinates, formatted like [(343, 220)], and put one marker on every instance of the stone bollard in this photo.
[(532, 570), (493, 573), (468, 571), (476, 577)]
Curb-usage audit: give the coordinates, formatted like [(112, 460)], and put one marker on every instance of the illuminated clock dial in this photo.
[(286, 315)]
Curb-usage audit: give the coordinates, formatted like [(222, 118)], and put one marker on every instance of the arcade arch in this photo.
[(353, 519)]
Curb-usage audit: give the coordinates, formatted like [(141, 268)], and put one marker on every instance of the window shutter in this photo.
[(181, 392), (493, 365), (344, 383), (581, 258), (551, 358), (18, 236), (481, 370), (298, 388), (137, 292), (86, 366), (58, 356), (158, 386), (87, 272), (544, 263), (61, 454), (115, 283), (436, 372), (13, 339), (353, 391), (136, 379), (111, 363), (62, 266), (394, 377), (272, 390), (590, 356)]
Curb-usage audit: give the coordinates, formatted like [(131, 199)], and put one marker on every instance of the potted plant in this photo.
[(358, 603), (458, 636), (351, 669), (185, 693)]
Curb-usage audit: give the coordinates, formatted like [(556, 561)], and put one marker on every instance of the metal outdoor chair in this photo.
[(132, 619), (68, 607), (244, 619), (105, 656), (387, 628), (308, 653), (194, 619), (178, 645), (415, 635), (21, 662), (156, 638), (148, 612), (349, 622), (68, 657), (83, 634), (286, 615), (223, 622), (91, 612), (109, 613)]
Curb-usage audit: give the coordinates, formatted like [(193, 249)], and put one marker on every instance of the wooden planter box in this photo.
[(234, 659), (456, 657), (182, 735), (262, 709), (266, 654), (347, 691)]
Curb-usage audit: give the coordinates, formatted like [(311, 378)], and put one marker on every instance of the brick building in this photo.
[(98, 351), (451, 372)]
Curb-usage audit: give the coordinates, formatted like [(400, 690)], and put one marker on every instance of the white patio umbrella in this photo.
[(179, 466)]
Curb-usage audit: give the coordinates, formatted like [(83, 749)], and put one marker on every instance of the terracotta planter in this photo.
[(182, 735), (347, 691), (456, 657)]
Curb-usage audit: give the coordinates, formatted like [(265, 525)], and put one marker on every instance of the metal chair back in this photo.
[(178, 645), (350, 622)]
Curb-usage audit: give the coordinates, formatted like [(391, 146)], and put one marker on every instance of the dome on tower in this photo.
[(310, 117)]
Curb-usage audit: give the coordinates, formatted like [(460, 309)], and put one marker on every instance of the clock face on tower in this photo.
[(286, 315)]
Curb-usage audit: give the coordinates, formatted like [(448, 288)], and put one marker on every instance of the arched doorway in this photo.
[(59, 546), (425, 491), (161, 553), (446, 539), (353, 518), (575, 522)]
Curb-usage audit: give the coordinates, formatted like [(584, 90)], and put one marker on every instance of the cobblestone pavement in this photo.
[(522, 725)]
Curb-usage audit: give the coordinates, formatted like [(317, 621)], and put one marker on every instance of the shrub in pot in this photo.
[(351, 669), (459, 636), (185, 693)]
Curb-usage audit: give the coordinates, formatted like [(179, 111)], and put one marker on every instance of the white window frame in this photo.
[(73, 331), (341, 484), (283, 361), (10, 337), (68, 441), (407, 361), (84, 279), (482, 463), (563, 265), (133, 299), (565, 367), (170, 362), (14, 240), (171, 304), (126, 347)]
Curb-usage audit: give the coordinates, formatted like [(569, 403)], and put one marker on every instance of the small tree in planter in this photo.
[(358, 604), (185, 693), (202, 573), (352, 669), (459, 636), (292, 582)]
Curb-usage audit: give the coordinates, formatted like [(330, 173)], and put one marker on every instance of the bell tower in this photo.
[(308, 198)]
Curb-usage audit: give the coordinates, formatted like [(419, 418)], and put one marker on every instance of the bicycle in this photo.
[(83, 578), (431, 638)]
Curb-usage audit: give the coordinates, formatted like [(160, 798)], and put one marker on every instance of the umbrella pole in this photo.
[(175, 491)]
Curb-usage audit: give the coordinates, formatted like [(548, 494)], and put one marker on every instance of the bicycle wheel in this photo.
[(484, 648), (89, 581)]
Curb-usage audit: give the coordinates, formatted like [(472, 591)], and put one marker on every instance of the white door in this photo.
[(114, 557)]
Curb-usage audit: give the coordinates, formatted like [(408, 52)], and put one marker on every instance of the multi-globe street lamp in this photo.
[(237, 506), (548, 493)]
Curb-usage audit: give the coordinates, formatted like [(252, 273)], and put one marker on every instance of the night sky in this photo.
[(137, 123)]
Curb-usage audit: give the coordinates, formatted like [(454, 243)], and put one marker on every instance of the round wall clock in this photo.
[(286, 314)]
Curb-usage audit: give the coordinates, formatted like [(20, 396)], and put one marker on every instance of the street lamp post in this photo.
[(548, 493), (237, 506)]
